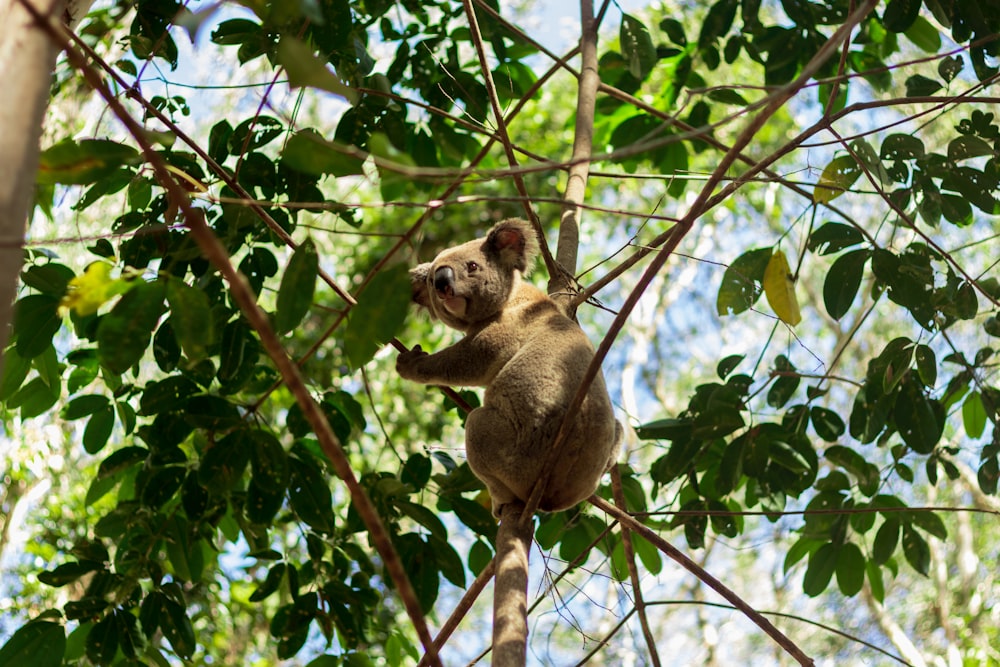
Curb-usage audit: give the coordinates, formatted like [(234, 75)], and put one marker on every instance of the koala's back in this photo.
[(547, 357)]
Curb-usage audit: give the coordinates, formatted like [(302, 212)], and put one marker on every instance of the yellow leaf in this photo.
[(836, 178), (87, 292), (779, 287)]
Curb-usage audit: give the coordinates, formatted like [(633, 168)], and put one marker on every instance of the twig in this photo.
[(491, 93), (244, 296), (777, 100), (462, 608), (677, 556), (583, 143), (640, 605)]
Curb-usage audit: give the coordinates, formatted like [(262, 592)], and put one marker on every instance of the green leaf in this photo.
[(967, 147), (212, 412), (82, 162), (869, 158), (83, 406), (68, 572), (921, 86), (480, 556), (102, 642), (124, 334), (269, 462), (310, 495), (827, 423), (916, 550), (717, 22), (785, 384), (121, 459), (637, 47), (271, 583), (926, 364), (920, 419), (310, 153), (305, 68), (974, 415), (224, 462), (171, 393), (448, 561), (424, 517), (98, 429), (416, 471), (837, 177), (822, 565), (15, 370), (875, 583), (50, 279), (843, 281), (379, 315), (866, 473), (930, 522), (728, 365), (900, 14), (885, 542), (238, 355), (177, 628), (295, 296), (130, 638), (743, 282), (76, 643), (949, 67), (922, 33), (36, 321), (901, 147), (34, 398), (162, 485), (850, 569), (191, 317), (262, 504)]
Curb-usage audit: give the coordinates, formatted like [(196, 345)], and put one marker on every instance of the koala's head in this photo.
[(470, 283)]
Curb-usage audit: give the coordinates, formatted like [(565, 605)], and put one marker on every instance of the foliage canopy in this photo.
[(201, 445)]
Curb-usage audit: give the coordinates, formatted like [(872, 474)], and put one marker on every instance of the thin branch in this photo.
[(491, 92), (633, 573), (583, 142), (677, 556), (244, 296), (776, 102), (462, 608)]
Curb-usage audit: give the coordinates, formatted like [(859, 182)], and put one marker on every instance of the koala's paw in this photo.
[(406, 362)]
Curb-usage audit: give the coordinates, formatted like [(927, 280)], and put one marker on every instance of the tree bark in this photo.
[(27, 58), (510, 590)]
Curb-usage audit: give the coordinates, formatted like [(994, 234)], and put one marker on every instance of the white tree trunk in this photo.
[(27, 58)]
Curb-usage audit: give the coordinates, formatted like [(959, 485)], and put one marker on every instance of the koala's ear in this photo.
[(418, 282), (515, 242)]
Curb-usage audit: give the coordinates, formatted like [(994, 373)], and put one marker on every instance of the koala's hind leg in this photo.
[(488, 436)]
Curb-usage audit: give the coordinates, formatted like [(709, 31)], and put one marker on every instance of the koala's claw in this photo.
[(406, 360)]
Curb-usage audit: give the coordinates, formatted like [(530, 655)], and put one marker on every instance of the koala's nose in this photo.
[(444, 278)]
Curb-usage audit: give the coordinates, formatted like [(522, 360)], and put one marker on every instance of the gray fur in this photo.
[(530, 357)]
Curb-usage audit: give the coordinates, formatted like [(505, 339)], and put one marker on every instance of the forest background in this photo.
[(781, 219)]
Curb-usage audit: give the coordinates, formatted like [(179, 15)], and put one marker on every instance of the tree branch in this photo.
[(583, 141), (244, 296), (633, 573), (677, 556)]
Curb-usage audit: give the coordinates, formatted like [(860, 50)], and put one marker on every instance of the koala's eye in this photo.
[(472, 267)]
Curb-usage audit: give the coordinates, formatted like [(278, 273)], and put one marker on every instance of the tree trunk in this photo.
[(27, 58), (510, 590)]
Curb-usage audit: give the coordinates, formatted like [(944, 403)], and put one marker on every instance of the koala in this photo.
[(530, 357)]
